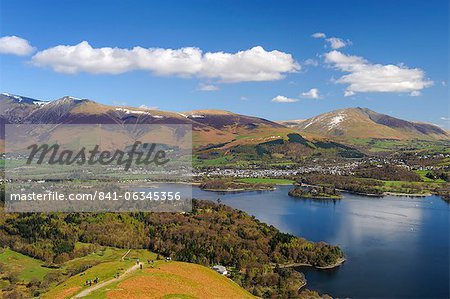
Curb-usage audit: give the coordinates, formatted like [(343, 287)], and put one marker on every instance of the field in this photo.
[(410, 187), (407, 187), (389, 145), (173, 280)]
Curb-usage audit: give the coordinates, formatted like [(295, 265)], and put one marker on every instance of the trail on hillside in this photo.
[(87, 291), (125, 255)]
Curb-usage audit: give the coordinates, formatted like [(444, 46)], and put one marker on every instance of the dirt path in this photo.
[(125, 255), (107, 282)]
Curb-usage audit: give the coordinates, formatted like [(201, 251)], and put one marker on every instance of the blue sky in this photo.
[(307, 76)]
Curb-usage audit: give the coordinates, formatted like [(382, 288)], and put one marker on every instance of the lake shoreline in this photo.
[(237, 189), (381, 195), (338, 263)]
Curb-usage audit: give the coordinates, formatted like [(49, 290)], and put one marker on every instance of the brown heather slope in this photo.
[(364, 123), (209, 126), (177, 280), (242, 128)]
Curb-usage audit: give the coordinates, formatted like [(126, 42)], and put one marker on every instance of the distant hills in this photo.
[(224, 131), (345, 124)]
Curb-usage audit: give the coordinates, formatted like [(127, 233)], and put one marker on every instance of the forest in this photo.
[(387, 172), (211, 234), (319, 192)]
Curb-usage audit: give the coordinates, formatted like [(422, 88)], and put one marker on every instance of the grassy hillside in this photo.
[(109, 264), (21, 274), (173, 280), (24, 267), (158, 279)]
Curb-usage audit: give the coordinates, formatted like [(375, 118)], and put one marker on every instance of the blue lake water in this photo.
[(396, 247)]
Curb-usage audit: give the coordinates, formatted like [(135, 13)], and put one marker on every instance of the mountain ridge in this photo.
[(365, 123), (209, 126)]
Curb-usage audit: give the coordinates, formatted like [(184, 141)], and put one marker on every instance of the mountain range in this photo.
[(217, 128)]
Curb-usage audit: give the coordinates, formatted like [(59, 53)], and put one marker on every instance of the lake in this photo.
[(395, 246)]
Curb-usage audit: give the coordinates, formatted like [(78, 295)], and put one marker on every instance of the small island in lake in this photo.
[(319, 192)]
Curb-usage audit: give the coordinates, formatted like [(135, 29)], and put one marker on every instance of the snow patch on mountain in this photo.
[(128, 111), (308, 124), (40, 103), (196, 116), (74, 98), (26, 100), (336, 120)]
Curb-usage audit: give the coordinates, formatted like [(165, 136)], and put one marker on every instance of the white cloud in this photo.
[(313, 93), (334, 42), (364, 76), (15, 45), (207, 87), (415, 93), (319, 35), (283, 99), (243, 98), (255, 64), (337, 43), (445, 118), (311, 62)]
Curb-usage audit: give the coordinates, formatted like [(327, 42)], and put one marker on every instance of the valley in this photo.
[(321, 160)]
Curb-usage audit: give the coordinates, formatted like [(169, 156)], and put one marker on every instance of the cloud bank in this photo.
[(15, 45), (255, 64), (364, 76)]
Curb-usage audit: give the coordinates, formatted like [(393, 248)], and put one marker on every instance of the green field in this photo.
[(408, 187), (266, 181), (388, 145), (24, 266), (212, 162), (423, 176)]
